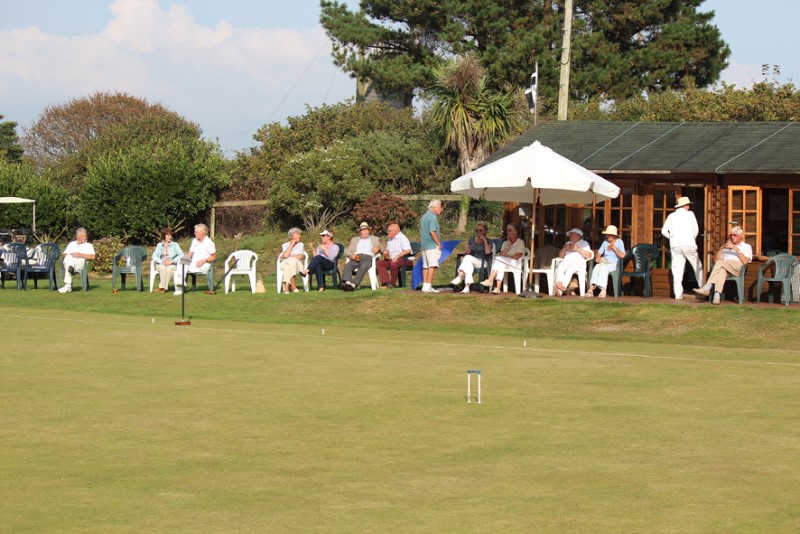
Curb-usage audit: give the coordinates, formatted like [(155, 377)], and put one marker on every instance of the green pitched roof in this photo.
[(677, 147)]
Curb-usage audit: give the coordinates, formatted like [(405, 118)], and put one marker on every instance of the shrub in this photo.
[(138, 191), (51, 200), (381, 209), (322, 183), (104, 250)]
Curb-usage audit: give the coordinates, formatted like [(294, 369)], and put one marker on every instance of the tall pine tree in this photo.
[(10, 149), (620, 47)]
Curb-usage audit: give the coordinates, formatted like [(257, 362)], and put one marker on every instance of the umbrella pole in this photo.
[(533, 236), (530, 293)]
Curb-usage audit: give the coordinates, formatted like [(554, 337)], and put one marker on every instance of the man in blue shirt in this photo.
[(430, 245)]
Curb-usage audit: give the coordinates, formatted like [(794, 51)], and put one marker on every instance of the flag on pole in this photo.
[(532, 89)]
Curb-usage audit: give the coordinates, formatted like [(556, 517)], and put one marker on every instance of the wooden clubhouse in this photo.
[(743, 173)]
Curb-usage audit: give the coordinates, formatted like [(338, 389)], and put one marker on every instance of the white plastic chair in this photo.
[(581, 277), (372, 273), (520, 275), (153, 274), (245, 261), (279, 272), (545, 256)]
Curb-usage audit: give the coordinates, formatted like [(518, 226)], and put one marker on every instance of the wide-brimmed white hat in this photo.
[(683, 201), (364, 226), (326, 232), (611, 230), (576, 231)]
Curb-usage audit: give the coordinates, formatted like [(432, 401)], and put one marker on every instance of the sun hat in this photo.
[(576, 231), (611, 230), (364, 225), (326, 232), (683, 201)]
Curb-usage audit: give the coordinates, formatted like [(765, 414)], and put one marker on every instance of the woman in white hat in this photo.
[(611, 251), (575, 253)]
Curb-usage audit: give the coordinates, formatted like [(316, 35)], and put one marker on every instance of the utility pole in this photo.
[(566, 44)]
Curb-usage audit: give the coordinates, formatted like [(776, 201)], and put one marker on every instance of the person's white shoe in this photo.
[(589, 294), (434, 290), (178, 292), (678, 297), (496, 291), (486, 283), (455, 281), (65, 289), (427, 289), (716, 299), (465, 291), (602, 294)]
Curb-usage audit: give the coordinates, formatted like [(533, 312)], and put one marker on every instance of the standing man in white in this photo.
[(202, 252), (75, 256), (681, 230)]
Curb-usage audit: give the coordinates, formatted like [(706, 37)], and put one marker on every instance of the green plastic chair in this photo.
[(482, 272), (209, 277), (784, 269), (15, 261), (133, 258), (643, 257), (46, 257), (333, 273), (401, 278), (84, 274), (739, 286)]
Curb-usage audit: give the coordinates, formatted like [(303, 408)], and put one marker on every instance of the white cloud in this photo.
[(165, 56)]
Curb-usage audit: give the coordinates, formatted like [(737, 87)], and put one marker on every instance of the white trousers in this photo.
[(179, 272), (468, 266), (76, 263), (502, 265), (569, 267), (681, 255)]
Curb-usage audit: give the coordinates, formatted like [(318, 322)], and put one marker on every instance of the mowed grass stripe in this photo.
[(229, 427), (649, 350)]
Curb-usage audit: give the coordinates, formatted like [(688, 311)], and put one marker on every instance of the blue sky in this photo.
[(235, 65)]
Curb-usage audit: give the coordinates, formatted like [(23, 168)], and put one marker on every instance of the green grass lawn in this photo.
[(614, 418)]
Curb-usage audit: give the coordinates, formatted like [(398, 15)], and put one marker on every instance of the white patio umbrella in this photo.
[(535, 173), (18, 200)]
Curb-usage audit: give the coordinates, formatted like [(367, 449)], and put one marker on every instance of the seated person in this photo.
[(611, 251), (323, 260), (360, 251), (202, 253), (509, 258), (479, 248), (575, 252), (395, 257), (75, 256), (167, 255), (730, 259), (292, 256)]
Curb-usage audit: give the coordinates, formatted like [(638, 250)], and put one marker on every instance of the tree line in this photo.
[(125, 167)]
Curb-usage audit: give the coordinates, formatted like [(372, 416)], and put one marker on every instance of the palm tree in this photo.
[(473, 118)]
